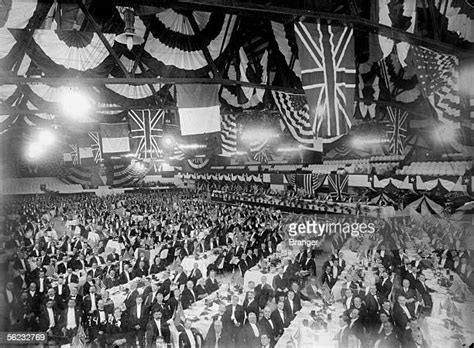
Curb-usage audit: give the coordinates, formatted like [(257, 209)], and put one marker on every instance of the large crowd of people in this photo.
[(64, 254)]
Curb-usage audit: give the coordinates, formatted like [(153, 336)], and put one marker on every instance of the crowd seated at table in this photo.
[(113, 267)]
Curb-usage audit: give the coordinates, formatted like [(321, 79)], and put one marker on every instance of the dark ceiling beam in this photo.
[(102, 38), (248, 9), (98, 81), (12, 110)]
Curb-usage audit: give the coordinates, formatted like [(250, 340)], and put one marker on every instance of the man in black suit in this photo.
[(328, 278), (280, 319), (216, 336), (409, 294), (137, 320), (234, 316), (343, 334), (195, 274), (384, 286), (267, 326), (180, 277), (291, 306), (425, 293), (211, 282), (356, 327), (187, 336), (250, 304), (388, 338), (69, 320), (157, 327), (263, 292), (48, 319), (373, 305), (21, 281), (249, 335), (402, 316), (188, 297), (280, 284)]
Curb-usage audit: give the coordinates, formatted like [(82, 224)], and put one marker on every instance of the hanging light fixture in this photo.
[(128, 37)]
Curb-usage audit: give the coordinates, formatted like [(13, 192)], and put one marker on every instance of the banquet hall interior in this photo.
[(236, 173)]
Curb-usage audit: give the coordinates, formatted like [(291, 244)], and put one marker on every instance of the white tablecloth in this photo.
[(309, 338), (189, 261), (434, 327)]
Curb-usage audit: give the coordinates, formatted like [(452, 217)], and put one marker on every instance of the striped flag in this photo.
[(96, 150), (328, 75), (438, 77), (338, 185), (146, 128), (128, 174), (75, 175), (294, 112), (397, 130), (228, 134)]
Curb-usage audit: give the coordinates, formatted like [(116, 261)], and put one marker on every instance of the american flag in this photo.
[(146, 128), (438, 76), (328, 75), (338, 184), (397, 130), (228, 134), (96, 150), (294, 111)]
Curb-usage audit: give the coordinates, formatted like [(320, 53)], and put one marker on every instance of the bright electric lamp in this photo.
[(168, 141), (76, 104), (46, 137), (34, 151)]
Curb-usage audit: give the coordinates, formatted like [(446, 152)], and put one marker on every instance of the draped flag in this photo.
[(76, 175), (328, 75), (96, 150), (397, 130), (114, 138), (294, 112), (438, 76), (228, 134), (198, 107), (146, 128), (338, 186)]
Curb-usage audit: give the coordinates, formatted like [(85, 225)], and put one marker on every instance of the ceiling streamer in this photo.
[(73, 49), (174, 48)]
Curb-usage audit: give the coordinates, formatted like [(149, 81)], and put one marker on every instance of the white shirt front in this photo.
[(139, 311), (52, 323), (41, 285), (101, 316), (60, 289), (255, 330), (348, 302), (9, 296), (190, 337), (71, 319), (93, 305), (158, 325), (407, 312)]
